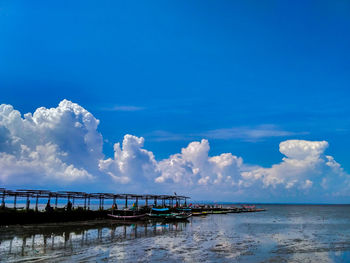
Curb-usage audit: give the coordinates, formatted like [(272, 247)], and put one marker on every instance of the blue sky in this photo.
[(246, 75)]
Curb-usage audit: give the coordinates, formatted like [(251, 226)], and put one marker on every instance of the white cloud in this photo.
[(56, 145), (304, 166), (249, 133), (62, 146), (131, 163), (194, 167)]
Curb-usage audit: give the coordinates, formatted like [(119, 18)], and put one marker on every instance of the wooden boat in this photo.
[(200, 213), (165, 214), (131, 217), (219, 212), (184, 210)]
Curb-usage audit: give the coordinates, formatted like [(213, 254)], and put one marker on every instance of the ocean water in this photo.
[(283, 233)]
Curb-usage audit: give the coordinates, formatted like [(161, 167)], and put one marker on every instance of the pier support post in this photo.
[(3, 200), (126, 201), (102, 202), (84, 202), (27, 203), (14, 202), (137, 203), (89, 203), (56, 201), (146, 201), (36, 202)]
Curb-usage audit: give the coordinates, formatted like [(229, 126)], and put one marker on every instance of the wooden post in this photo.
[(126, 201), (137, 202), (84, 201), (155, 201), (36, 202), (185, 201), (14, 202), (146, 201), (27, 203), (89, 202), (3, 200), (102, 202), (56, 201)]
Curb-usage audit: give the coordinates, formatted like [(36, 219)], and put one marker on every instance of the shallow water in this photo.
[(288, 233)]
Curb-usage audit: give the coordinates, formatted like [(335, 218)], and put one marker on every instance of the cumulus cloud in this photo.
[(131, 163), (56, 145), (62, 146), (304, 166), (193, 166)]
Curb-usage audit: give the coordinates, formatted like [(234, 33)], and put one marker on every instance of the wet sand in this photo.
[(282, 234)]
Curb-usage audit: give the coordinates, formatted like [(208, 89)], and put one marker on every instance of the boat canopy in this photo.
[(160, 209)]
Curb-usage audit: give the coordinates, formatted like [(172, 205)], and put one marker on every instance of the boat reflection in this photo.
[(47, 239)]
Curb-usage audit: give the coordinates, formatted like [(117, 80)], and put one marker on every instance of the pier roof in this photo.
[(83, 195)]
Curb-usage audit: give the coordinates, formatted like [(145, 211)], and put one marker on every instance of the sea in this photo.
[(282, 233)]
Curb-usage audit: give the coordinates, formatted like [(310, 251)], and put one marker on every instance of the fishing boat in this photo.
[(129, 217), (219, 212), (165, 214), (128, 214), (200, 213)]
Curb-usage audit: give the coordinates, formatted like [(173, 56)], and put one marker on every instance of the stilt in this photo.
[(3, 200), (14, 202), (27, 203), (36, 202), (56, 201)]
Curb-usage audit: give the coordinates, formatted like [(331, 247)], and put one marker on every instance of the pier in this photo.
[(28, 206)]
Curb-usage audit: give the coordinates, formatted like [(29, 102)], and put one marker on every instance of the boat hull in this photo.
[(133, 217), (174, 216)]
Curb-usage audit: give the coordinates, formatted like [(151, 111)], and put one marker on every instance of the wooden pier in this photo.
[(76, 205)]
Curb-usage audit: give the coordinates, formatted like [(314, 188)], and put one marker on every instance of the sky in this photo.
[(241, 101)]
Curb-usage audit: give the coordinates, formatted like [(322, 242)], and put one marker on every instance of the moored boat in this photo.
[(165, 214), (129, 217), (200, 213), (219, 212)]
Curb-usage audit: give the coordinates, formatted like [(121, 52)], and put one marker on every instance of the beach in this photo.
[(283, 233)]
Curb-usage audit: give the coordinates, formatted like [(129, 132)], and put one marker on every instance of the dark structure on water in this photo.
[(79, 205)]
